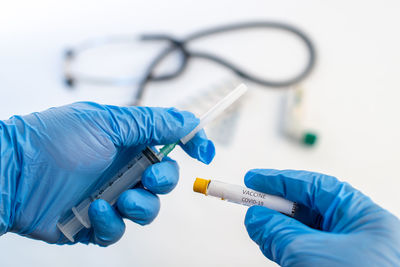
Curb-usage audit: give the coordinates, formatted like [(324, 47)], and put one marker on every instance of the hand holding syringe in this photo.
[(77, 219)]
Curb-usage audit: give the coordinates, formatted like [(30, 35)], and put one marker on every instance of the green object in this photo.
[(165, 150), (309, 138)]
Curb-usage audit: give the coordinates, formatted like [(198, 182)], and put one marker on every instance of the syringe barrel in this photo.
[(78, 218), (246, 196)]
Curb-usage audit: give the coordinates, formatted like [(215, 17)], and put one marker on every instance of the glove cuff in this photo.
[(9, 174)]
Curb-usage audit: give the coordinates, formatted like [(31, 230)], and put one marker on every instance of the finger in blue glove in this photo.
[(107, 224), (139, 205), (161, 178)]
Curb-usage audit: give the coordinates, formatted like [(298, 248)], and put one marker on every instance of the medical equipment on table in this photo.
[(293, 116), (77, 219), (180, 45), (243, 195)]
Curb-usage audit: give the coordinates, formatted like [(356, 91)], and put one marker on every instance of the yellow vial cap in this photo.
[(200, 185)]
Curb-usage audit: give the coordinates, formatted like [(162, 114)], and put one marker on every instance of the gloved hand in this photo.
[(335, 225), (50, 159)]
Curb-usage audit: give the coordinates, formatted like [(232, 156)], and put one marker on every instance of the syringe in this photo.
[(77, 218), (243, 195)]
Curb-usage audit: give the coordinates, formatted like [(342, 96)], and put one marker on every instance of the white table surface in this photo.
[(352, 100)]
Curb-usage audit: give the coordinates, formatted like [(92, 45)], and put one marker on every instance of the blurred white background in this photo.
[(352, 100)]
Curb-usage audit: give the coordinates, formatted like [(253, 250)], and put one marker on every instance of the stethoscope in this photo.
[(181, 46)]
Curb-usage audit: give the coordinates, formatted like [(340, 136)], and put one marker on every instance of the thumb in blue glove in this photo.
[(51, 159), (335, 225)]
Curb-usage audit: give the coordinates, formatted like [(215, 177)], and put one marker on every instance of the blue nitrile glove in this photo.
[(344, 227), (49, 159)]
